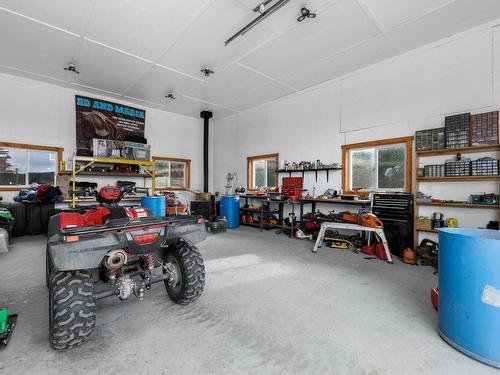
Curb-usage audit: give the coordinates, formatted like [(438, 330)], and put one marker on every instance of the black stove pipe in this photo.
[(206, 116)]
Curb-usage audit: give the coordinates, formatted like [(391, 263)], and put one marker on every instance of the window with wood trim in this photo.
[(383, 165), (23, 164), (261, 172), (172, 173)]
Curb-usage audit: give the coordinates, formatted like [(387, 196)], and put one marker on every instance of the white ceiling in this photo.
[(141, 50)]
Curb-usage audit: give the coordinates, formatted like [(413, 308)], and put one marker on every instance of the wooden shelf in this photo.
[(459, 205), (458, 178), (254, 210), (106, 174), (453, 151), (112, 161), (337, 200), (427, 230)]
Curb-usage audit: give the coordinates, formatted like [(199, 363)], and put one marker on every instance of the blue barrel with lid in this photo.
[(230, 209), (469, 292), (154, 204)]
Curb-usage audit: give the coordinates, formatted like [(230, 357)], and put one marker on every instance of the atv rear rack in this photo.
[(127, 223)]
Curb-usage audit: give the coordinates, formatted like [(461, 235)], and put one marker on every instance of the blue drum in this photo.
[(469, 292)]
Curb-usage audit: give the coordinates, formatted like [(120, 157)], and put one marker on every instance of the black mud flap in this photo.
[(5, 337)]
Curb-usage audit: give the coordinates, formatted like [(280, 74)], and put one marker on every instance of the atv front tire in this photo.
[(189, 274), (71, 308)]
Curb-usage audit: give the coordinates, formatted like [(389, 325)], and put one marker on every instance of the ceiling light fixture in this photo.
[(207, 71), (263, 15), (305, 13), (72, 68), (170, 96)]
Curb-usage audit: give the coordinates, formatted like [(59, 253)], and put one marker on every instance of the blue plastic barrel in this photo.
[(469, 292), (230, 209), (154, 204)]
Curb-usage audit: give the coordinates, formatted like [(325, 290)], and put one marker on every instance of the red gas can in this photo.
[(368, 250), (380, 251)]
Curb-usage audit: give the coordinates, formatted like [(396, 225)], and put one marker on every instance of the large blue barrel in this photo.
[(230, 209), (469, 292), (154, 204)]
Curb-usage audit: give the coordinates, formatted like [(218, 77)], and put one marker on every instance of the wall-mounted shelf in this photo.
[(106, 174), (458, 205), (444, 152), (427, 230), (453, 151), (303, 171), (458, 178)]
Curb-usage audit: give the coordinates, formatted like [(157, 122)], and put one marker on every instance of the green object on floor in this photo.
[(7, 324), (6, 214), (4, 315)]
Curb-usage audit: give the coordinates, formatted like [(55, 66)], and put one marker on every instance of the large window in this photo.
[(261, 172), (21, 165), (172, 173), (378, 166)]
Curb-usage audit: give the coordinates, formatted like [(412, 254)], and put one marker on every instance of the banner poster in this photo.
[(96, 118)]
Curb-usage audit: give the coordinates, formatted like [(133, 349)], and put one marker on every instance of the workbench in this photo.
[(347, 226), (359, 202)]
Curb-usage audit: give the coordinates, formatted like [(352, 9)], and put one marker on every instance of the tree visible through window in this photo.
[(261, 172), (378, 166)]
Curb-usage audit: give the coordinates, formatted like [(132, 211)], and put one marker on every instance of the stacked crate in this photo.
[(456, 168), (430, 139), (457, 131), (484, 129), (484, 167)]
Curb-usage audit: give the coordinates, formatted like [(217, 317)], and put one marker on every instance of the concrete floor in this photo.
[(270, 307)]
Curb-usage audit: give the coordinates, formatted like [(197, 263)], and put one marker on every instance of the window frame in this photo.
[(187, 173), (346, 169), (29, 147), (251, 160)]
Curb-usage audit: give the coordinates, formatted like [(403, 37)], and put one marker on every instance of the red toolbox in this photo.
[(292, 188)]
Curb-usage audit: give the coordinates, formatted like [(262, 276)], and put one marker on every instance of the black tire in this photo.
[(46, 211), (33, 219), (48, 267), (71, 308), (18, 211), (188, 266)]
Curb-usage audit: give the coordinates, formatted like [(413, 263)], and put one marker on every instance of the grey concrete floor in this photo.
[(270, 307)]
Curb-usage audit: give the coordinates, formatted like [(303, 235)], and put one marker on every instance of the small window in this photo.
[(378, 166), (172, 173), (21, 166), (261, 172)]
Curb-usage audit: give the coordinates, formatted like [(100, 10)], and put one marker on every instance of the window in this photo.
[(261, 172), (21, 165), (172, 173), (378, 166)]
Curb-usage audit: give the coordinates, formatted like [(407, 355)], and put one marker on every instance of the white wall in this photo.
[(390, 99), (43, 114)]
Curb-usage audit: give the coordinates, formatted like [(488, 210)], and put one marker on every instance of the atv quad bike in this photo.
[(116, 251)]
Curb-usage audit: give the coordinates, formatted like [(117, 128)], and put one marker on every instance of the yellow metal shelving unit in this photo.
[(87, 161)]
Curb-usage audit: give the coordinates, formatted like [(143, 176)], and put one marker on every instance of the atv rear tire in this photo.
[(188, 265), (49, 266), (71, 308)]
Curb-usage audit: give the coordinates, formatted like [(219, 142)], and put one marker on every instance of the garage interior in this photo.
[(249, 187)]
